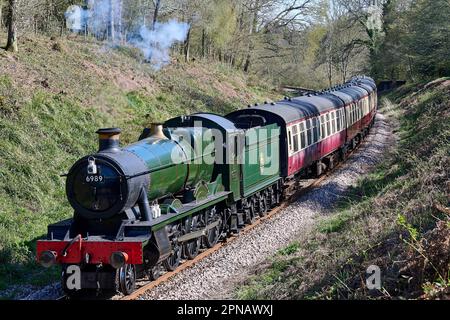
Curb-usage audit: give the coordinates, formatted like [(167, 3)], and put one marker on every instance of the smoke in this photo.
[(104, 19), (155, 44), (75, 18)]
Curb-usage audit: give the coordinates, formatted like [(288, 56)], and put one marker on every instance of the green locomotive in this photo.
[(179, 189)]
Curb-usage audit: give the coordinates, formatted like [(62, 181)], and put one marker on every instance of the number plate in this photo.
[(94, 178)]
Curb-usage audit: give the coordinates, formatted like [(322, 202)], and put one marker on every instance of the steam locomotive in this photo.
[(194, 180)]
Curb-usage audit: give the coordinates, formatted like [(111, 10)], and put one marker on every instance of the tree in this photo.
[(368, 14), (254, 7), (1, 14), (428, 38), (111, 20), (12, 28), (157, 6)]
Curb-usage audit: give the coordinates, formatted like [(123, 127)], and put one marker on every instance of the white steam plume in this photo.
[(154, 43)]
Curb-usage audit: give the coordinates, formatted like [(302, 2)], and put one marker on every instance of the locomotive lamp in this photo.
[(118, 259), (92, 167), (47, 258)]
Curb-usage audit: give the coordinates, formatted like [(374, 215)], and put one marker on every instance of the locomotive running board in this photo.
[(188, 209)]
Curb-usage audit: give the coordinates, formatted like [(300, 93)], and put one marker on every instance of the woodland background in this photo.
[(312, 43)]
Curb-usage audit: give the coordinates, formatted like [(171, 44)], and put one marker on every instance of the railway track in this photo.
[(306, 186)]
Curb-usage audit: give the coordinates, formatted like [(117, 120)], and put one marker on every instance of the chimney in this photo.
[(156, 131), (108, 139)]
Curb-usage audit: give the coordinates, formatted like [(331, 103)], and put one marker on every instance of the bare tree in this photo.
[(119, 22), (111, 20), (254, 7), (292, 12), (12, 28), (1, 13), (157, 7)]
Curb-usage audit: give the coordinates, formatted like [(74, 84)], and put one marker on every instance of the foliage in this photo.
[(416, 42)]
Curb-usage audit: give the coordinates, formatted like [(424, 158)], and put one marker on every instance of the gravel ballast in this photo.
[(214, 277)]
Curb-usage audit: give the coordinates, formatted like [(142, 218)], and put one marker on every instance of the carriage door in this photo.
[(236, 153)]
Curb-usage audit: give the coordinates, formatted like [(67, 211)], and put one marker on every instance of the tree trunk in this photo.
[(12, 29), (86, 21), (187, 46), (252, 31), (330, 74), (203, 42), (111, 20), (157, 4), (119, 23)]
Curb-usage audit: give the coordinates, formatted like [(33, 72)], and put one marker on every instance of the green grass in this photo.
[(272, 275), (43, 139), (54, 95), (290, 249), (335, 223)]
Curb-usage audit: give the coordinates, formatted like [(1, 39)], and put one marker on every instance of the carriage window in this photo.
[(349, 115), (303, 140), (290, 140), (315, 130), (338, 120), (322, 127), (309, 132), (328, 125), (302, 136), (295, 137), (333, 122), (352, 117)]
